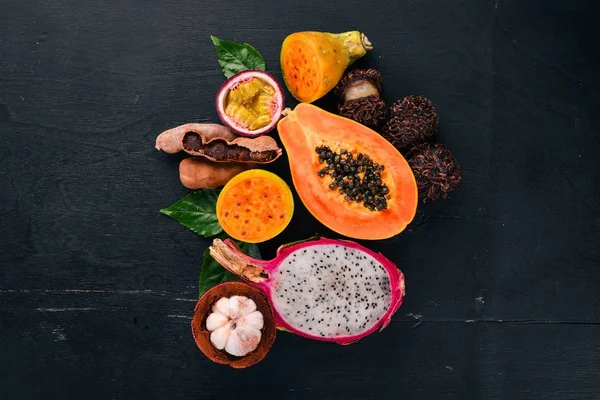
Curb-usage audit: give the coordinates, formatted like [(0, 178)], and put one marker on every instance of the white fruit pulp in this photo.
[(331, 291), (235, 325)]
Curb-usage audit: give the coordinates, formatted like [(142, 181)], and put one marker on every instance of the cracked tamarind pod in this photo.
[(260, 150), (217, 143), (171, 140)]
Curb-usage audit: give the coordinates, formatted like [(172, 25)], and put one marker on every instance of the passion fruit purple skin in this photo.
[(243, 76)]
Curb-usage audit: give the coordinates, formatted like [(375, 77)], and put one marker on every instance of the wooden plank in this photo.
[(97, 287)]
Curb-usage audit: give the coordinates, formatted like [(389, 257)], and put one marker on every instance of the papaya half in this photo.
[(348, 176)]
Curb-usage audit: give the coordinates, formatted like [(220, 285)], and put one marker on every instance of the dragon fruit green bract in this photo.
[(322, 289)]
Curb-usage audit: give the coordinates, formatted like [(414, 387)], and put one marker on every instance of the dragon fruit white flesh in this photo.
[(323, 289)]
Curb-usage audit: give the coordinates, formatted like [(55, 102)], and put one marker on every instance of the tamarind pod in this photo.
[(171, 140), (260, 150), (197, 173)]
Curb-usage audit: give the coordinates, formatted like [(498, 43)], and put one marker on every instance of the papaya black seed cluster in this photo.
[(356, 177)]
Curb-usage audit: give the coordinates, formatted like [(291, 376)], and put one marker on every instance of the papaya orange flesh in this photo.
[(308, 127), (255, 206)]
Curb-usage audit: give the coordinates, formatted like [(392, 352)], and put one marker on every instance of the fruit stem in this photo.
[(229, 255), (354, 44), (365, 42)]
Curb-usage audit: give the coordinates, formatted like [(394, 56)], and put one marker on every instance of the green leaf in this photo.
[(197, 211), (212, 273), (236, 57), (251, 249)]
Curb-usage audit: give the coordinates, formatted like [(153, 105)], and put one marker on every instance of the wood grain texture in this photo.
[(97, 288)]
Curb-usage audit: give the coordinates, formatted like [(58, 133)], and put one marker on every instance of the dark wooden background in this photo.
[(97, 288)]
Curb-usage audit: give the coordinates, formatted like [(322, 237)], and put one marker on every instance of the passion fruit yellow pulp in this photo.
[(250, 103)]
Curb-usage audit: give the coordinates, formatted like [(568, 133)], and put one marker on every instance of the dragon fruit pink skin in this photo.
[(357, 290)]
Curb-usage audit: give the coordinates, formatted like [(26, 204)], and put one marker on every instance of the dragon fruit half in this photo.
[(322, 289)]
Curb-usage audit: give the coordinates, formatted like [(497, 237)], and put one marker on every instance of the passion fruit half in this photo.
[(250, 103)]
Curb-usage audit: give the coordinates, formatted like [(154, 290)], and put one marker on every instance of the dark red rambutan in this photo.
[(359, 92), (436, 170), (413, 120)]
